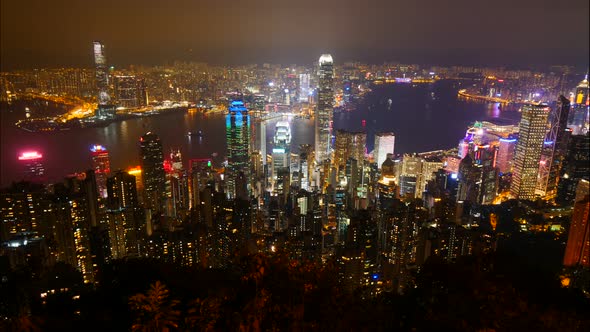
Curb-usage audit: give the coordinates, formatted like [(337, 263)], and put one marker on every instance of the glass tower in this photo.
[(102, 74), (324, 111), (532, 131), (237, 131)]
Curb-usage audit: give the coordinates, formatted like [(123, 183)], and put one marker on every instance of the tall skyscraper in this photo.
[(324, 109), (124, 216), (579, 116), (102, 74), (237, 131), (33, 169), (101, 165), (303, 87), (577, 250), (384, 145), (505, 158), (152, 165), (532, 130), (554, 149)]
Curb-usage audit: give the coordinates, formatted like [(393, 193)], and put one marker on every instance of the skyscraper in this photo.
[(303, 87), (505, 158), (532, 130), (152, 165), (102, 74), (578, 119), (237, 131), (384, 144), (124, 217), (105, 110), (324, 109), (577, 250), (33, 169), (101, 165), (554, 149)]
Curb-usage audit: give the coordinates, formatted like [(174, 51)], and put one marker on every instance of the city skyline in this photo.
[(328, 195)]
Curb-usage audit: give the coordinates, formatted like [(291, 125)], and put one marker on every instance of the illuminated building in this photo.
[(576, 166), (21, 209), (177, 187), (130, 91), (136, 172), (324, 109), (532, 130), (102, 74), (101, 165), (124, 215), (577, 250), (105, 110), (554, 149), (579, 116), (349, 145), (506, 149), (281, 164), (32, 162), (304, 87), (237, 131), (152, 165), (384, 145)]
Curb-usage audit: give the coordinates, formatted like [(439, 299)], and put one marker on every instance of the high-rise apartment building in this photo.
[(324, 108), (532, 131), (152, 165), (101, 165)]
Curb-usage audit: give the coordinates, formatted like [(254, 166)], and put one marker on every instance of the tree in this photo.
[(155, 311)]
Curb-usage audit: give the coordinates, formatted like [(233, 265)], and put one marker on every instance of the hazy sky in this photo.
[(36, 33)]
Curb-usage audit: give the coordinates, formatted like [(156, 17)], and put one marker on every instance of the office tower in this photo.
[(152, 165), (105, 110), (281, 164), (124, 215), (33, 169), (201, 173), (304, 87), (577, 250), (554, 149), (532, 130), (177, 192), (478, 177), (102, 74), (101, 165), (505, 158), (237, 131), (576, 166), (384, 145), (130, 91), (324, 109), (579, 115)]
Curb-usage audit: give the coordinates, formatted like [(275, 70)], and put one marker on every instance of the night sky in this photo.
[(38, 33)]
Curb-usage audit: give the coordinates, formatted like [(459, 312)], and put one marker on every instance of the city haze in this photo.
[(523, 33)]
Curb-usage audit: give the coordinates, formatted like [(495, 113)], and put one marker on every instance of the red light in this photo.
[(30, 155)]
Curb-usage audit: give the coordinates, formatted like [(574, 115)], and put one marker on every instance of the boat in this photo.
[(195, 133)]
